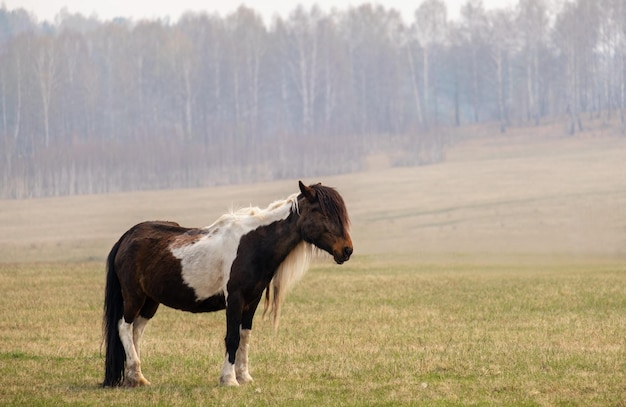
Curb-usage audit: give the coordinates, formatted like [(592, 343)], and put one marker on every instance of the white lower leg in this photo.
[(139, 325), (228, 376), (133, 376), (241, 359)]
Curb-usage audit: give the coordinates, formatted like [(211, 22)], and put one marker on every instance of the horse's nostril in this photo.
[(347, 251)]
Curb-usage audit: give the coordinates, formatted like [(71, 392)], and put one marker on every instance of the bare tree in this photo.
[(533, 25), (11, 137), (415, 86), (333, 73), (46, 71), (302, 58), (576, 35), (247, 35), (473, 30), (611, 50), (430, 29), (501, 37), (618, 23)]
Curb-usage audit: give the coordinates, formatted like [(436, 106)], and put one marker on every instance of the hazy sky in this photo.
[(136, 9)]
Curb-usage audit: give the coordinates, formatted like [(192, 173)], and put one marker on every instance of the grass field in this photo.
[(496, 278), (370, 334)]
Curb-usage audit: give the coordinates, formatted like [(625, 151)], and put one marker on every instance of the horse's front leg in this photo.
[(241, 360), (234, 310)]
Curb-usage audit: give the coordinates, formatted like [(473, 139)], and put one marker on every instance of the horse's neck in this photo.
[(284, 235)]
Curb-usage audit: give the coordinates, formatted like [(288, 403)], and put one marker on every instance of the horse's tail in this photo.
[(288, 273), (115, 358)]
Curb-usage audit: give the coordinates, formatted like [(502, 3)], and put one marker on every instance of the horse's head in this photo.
[(324, 221)]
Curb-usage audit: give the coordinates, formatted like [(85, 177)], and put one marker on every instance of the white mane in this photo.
[(287, 275), (253, 214)]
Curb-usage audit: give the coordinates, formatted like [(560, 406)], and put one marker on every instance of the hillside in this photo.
[(503, 195)]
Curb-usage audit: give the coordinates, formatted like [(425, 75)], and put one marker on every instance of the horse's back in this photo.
[(158, 226), (150, 238)]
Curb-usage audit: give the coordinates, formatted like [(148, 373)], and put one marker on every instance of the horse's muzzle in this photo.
[(344, 255)]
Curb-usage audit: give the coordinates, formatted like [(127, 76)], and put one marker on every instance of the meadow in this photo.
[(495, 278)]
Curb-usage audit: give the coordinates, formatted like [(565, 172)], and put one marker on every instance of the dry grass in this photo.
[(368, 333)]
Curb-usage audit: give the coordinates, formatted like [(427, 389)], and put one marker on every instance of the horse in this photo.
[(225, 266)]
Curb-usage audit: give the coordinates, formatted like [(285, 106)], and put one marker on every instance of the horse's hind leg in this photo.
[(139, 325), (132, 373), (130, 335)]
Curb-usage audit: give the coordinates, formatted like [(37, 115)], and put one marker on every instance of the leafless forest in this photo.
[(90, 106)]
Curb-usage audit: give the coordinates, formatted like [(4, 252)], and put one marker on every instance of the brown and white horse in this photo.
[(226, 265)]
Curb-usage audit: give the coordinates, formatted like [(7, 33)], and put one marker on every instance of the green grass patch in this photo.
[(372, 332)]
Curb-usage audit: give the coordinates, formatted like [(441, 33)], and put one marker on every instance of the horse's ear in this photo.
[(308, 192)]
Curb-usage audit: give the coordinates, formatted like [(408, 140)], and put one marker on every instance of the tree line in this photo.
[(90, 106)]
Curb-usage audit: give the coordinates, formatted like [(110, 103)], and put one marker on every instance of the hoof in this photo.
[(228, 381), (136, 381), (144, 382), (244, 378)]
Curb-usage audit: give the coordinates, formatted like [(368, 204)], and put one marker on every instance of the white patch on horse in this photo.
[(206, 263)]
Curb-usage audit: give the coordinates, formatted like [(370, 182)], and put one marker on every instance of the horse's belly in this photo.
[(211, 304)]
